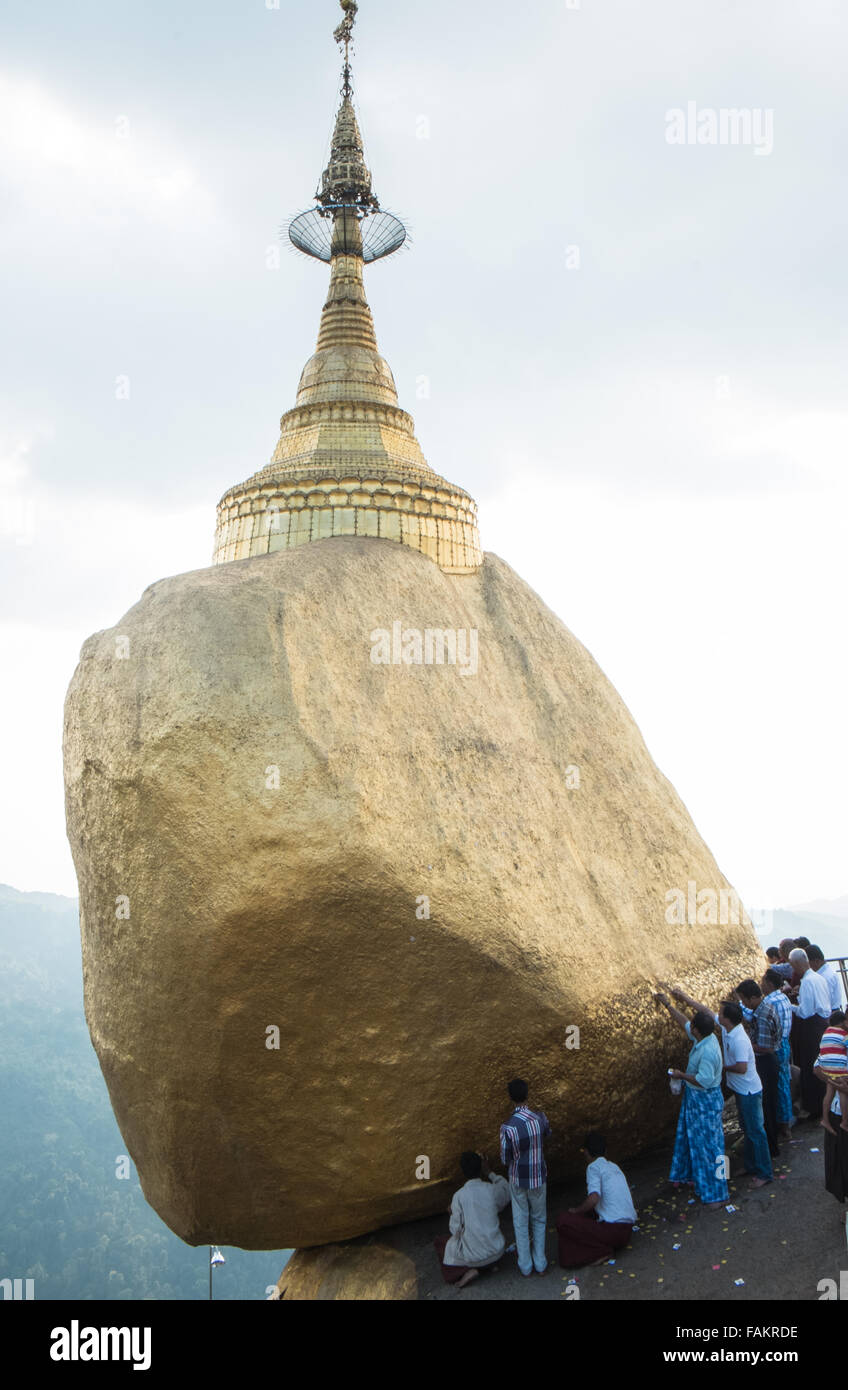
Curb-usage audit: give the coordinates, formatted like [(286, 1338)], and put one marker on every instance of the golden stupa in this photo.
[(347, 462)]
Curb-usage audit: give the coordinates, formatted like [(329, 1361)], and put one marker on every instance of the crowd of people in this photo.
[(785, 1031)]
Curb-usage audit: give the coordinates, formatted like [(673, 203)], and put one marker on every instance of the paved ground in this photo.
[(782, 1240)]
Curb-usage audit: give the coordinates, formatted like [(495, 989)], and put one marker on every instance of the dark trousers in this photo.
[(768, 1072), (809, 1033), (584, 1239), (836, 1158), (450, 1273)]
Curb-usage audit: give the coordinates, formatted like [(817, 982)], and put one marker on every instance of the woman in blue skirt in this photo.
[(699, 1149)]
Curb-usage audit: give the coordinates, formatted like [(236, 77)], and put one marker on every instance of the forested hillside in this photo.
[(66, 1219)]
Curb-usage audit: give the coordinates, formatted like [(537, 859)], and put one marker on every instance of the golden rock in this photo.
[(348, 1273), (357, 841)]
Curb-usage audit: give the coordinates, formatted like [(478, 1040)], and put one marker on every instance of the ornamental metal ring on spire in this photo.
[(347, 219), (313, 234)]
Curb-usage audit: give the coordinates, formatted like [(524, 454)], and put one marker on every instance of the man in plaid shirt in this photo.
[(773, 990), (765, 1029), (521, 1152)]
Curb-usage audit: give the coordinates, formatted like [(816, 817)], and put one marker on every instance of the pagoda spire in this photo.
[(347, 461), (344, 36)]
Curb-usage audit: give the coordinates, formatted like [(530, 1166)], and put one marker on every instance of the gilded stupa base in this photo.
[(432, 517)]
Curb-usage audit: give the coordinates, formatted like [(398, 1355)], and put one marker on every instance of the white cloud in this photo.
[(83, 190), (90, 560), (14, 456), (48, 147), (720, 622), (812, 441)]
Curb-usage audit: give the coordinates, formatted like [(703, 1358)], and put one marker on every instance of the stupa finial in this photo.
[(344, 35)]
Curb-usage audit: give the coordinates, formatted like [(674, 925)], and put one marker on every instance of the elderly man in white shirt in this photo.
[(812, 1012), (476, 1239)]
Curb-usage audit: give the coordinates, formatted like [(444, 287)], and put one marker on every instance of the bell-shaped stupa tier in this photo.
[(347, 462)]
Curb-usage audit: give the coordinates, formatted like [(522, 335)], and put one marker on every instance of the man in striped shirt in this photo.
[(521, 1152)]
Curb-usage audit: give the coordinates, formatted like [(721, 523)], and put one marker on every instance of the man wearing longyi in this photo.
[(603, 1223)]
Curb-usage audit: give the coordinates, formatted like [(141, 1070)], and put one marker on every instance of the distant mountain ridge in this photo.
[(51, 902), (827, 929), (835, 907)]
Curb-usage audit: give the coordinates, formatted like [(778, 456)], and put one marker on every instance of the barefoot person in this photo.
[(699, 1145), (475, 1234), (521, 1153), (740, 1068), (603, 1223), (832, 1065)]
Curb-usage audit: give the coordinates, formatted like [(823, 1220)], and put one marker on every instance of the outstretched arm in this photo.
[(675, 1013), (692, 1003)]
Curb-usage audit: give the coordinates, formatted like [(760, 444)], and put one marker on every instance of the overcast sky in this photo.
[(634, 349)]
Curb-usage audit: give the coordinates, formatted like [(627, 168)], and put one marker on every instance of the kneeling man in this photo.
[(589, 1234), (475, 1239)]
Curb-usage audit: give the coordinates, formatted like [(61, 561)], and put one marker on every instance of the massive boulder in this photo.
[(333, 896)]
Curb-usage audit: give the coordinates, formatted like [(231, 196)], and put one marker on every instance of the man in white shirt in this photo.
[(826, 970), (603, 1223), (476, 1239), (740, 1068), (811, 1018)]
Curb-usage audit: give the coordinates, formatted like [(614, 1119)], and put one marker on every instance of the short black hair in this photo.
[(773, 953), (704, 1022), (518, 1090), (595, 1144), (749, 989), (815, 953), (774, 977), (471, 1164), (731, 1011), (802, 942), (837, 1018)]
